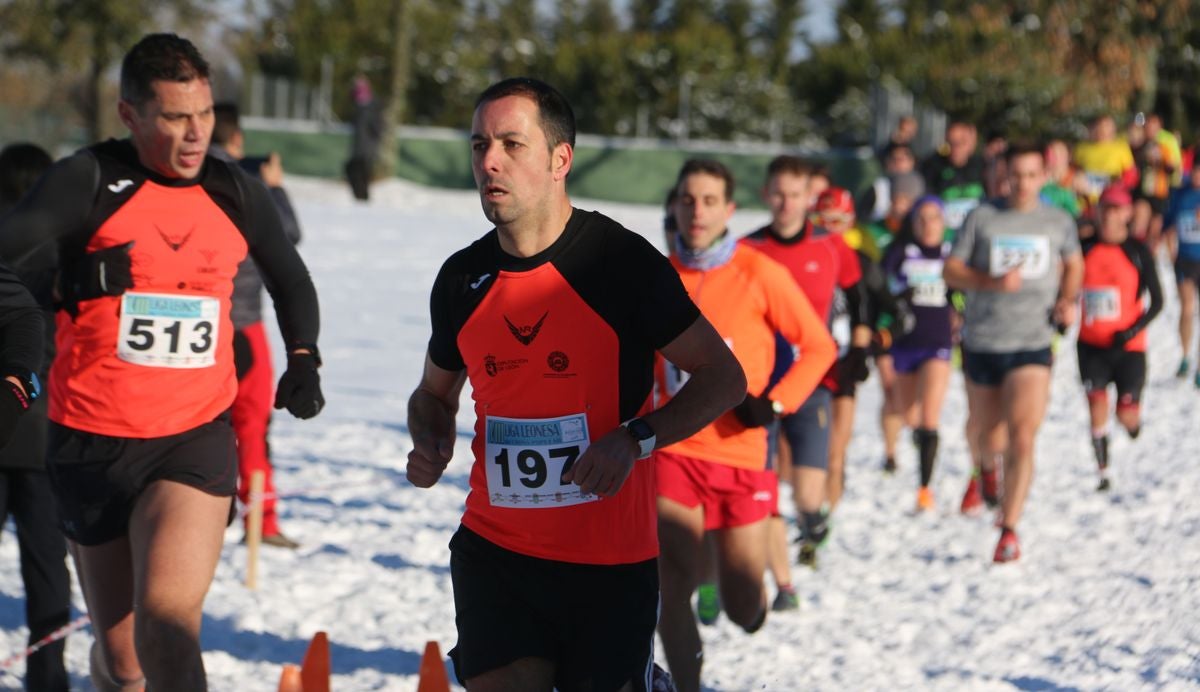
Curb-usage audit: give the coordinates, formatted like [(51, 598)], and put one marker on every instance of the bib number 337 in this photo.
[(526, 458), (168, 331)]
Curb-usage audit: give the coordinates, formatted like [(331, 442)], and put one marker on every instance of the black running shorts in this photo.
[(97, 478), (990, 369), (595, 623), (1100, 366), (1187, 270)]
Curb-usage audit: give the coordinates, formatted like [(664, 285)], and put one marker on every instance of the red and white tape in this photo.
[(60, 633)]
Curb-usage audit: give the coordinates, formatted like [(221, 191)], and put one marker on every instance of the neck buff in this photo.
[(711, 257)]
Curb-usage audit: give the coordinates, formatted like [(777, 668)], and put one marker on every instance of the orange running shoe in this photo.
[(924, 499)]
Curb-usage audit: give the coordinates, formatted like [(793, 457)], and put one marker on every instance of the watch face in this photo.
[(640, 429)]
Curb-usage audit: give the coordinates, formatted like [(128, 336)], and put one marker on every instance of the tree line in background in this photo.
[(712, 69)]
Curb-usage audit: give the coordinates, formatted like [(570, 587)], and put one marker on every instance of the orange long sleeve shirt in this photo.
[(748, 300)]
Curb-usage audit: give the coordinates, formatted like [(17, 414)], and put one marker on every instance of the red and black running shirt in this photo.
[(1115, 279), (548, 342), (157, 360)]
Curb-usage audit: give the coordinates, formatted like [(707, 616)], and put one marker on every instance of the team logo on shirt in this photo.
[(176, 241), (558, 361), (494, 367), (526, 335)]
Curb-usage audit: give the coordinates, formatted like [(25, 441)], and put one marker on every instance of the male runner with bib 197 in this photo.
[(555, 317), (142, 458)]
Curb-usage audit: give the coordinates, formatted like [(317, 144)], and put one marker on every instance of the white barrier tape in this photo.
[(60, 633)]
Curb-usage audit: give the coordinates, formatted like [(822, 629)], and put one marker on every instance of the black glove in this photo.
[(852, 368), (1123, 337), (104, 272), (13, 403), (755, 411), (300, 387)]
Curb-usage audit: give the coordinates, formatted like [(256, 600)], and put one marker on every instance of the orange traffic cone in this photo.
[(432, 677), (290, 680), (315, 671)]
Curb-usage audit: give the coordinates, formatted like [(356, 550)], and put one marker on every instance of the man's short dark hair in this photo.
[(21, 165), (786, 163), (707, 167), (554, 112), (159, 57), (1019, 149), (227, 123)]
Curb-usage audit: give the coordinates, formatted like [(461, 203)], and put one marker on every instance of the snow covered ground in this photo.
[(1106, 596)]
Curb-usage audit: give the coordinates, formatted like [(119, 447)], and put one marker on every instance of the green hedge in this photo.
[(621, 175)]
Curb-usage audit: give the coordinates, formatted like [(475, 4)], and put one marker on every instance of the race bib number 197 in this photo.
[(526, 458), (168, 331)]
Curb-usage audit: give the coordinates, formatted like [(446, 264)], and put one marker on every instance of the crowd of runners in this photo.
[(635, 414)]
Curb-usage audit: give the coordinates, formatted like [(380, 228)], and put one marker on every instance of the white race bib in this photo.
[(1101, 304), (1029, 252), (526, 458), (1094, 183), (1189, 228), (168, 331), (956, 211), (924, 277)]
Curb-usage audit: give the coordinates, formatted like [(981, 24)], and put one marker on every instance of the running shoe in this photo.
[(990, 487), (1197, 379), (889, 465), (279, 540), (786, 599), (1008, 549), (924, 499), (972, 502), (1104, 485), (1184, 366), (708, 604), (810, 544)]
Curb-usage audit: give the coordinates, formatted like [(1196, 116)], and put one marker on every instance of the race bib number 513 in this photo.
[(168, 331), (527, 457)]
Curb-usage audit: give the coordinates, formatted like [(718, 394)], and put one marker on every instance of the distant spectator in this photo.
[(365, 137), (251, 412), (955, 173), (874, 202), (903, 135), (24, 485)]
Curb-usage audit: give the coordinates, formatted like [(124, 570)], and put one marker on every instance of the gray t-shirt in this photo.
[(995, 240)]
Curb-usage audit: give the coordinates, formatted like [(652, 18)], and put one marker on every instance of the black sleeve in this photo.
[(283, 272), (443, 344), (287, 215), (21, 325), (56, 207), (1148, 274), (662, 308)]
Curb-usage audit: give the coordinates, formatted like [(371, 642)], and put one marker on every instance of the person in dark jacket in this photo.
[(24, 485), (251, 352)]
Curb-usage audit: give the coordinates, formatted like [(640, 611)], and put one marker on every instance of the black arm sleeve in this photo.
[(57, 206), (21, 325), (1149, 276), (287, 215), (283, 272)]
